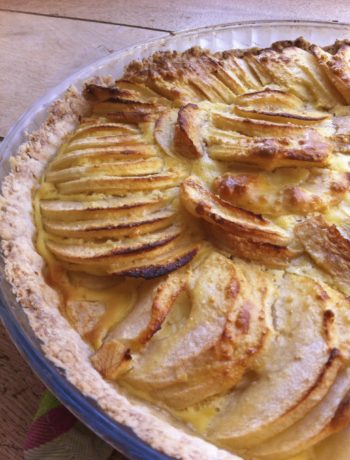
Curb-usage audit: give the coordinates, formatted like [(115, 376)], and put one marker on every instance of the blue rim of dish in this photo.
[(85, 408)]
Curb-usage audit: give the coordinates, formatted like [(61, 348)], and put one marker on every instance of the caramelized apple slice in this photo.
[(201, 203), (181, 255), (284, 191), (297, 369)]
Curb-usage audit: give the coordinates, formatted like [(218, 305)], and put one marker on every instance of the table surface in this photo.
[(43, 42)]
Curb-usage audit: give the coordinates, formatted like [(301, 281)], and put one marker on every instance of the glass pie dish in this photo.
[(217, 38)]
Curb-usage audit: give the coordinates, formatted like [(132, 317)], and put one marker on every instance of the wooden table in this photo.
[(42, 42)]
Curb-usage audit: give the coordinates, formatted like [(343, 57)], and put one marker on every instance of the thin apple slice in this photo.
[(294, 374), (336, 66), (296, 117), (135, 204), (284, 191), (329, 416), (297, 70), (258, 127), (115, 168), (271, 255), (95, 155), (107, 251), (101, 128), (224, 332), (329, 247), (309, 150), (181, 255), (164, 131), (187, 138), (203, 204), (123, 184), (112, 228), (103, 141), (272, 98)]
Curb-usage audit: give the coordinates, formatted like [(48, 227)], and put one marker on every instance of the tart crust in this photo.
[(24, 267)]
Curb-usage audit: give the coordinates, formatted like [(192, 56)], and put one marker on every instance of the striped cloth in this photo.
[(56, 434)]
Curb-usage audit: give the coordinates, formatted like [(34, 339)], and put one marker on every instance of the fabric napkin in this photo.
[(55, 434)]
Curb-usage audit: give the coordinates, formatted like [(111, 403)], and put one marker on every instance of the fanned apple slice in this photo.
[(115, 168), (135, 204), (234, 73), (269, 153), (259, 127), (271, 98), (141, 92), (181, 255), (187, 137), (336, 66), (203, 204), (297, 70), (296, 117), (96, 155), (112, 228), (123, 92), (294, 373), (329, 416), (224, 331), (99, 127), (271, 255), (103, 141), (146, 318), (123, 184), (166, 258), (105, 252), (284, 191), (329, 247), (164, 131)]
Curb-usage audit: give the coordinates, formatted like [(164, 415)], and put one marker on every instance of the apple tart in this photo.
[(180, 240)]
